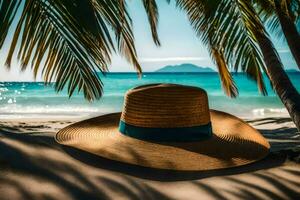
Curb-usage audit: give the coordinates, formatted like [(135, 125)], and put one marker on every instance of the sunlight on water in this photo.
[(27, 100)]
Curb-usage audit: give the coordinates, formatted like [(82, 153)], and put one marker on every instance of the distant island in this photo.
[(184, 68)]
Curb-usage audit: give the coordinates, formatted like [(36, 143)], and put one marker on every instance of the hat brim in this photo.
[(234, 143)]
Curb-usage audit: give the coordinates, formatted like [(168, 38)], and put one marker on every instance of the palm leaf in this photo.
[(70, 41), (267, 12), (226, 79), (8, 10), (152, 12), (228, 25)]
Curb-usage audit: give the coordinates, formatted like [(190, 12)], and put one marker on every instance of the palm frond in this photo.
[(152, 12), (267, 11), (227, 81), (116, 15), (70, 41), (8, 10), (228, 25)]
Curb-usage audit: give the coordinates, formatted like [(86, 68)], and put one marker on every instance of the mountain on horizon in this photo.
[(186, 67)]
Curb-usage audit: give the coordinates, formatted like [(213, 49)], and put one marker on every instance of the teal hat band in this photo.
[(181, 134)]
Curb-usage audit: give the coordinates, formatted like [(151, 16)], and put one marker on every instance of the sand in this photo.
[(34, 166)]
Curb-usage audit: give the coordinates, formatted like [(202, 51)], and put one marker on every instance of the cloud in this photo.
[(171, 59)]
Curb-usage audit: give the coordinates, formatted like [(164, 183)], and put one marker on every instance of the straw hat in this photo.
[(168, 126)]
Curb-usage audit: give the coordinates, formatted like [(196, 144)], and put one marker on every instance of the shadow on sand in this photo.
[(272, 160), (34, 166)]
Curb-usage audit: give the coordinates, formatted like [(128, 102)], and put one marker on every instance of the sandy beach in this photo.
[(34, 166), (182, 73)]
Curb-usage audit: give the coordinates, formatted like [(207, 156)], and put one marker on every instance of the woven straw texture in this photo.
[(166, 106), (233, 143)]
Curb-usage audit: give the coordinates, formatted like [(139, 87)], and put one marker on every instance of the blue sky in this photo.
[(179, 44)]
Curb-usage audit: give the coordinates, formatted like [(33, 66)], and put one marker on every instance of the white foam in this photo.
[(269, 111), (10, 101), (17, 109), (3, 89), (14, 111)]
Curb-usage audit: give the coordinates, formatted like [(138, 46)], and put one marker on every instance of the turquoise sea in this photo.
[(34, 99)]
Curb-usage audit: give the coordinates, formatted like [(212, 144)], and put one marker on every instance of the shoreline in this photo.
[(258, 113)]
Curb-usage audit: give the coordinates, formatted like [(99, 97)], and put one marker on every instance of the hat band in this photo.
[(180, 134)]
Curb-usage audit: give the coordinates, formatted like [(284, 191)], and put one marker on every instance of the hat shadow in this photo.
[(274, 159)]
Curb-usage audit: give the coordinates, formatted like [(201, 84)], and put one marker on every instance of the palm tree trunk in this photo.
[(289, 30), (279, 79)]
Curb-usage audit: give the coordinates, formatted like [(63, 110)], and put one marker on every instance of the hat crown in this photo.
[(166, 106)]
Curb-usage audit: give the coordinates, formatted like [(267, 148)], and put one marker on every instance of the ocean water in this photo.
[(34, 99)]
